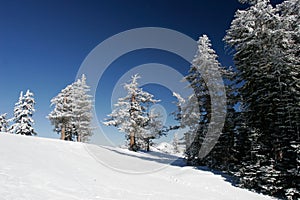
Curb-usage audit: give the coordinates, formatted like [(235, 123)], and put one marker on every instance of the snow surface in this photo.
[(33, 168)]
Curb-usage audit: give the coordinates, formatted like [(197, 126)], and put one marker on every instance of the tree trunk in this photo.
[(148, 145), (78, 138), (63, 128), (132, 142), (63, 132), (132, 145)]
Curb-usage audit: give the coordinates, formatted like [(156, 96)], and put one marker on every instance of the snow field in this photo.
[(33, 168)]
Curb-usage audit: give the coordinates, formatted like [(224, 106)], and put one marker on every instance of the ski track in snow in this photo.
[(33, 168)]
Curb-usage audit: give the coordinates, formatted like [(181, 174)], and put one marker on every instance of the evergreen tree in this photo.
[(23, 111), (62, 114), (188, 115), (224, 156), (194, 113), (132, 116), (201, 76), (250, 32), (266, 43), (3, 123), (288, 57), (81, 108), (152, 129), (248, 1), (180, 103), (71, 115)]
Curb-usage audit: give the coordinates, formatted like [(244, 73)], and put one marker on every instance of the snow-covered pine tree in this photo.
[(205, 61), (3, 122), (266, 42), (23, 111), (152, 129), (62, 114), (250, 34), (81, 109), (132, 116), (178, 117), (17, 112), (287, 57), (248, 1), (224, 155), (188, 115), (72, 115)]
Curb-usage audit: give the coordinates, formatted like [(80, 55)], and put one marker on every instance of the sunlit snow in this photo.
[(33, 168)]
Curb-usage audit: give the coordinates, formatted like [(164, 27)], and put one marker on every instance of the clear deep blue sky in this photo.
[(44, 42)]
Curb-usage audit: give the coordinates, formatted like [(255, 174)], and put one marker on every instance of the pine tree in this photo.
[(152, 129), (81, 108), (132, 116), (23, 112), (250, 34), (201, 76), (178, 117), (188, 115), (288, 57), (72, 115), (224, 155), (248, 1), (17, 112), (62, 113), (3, 123), (266, 44)]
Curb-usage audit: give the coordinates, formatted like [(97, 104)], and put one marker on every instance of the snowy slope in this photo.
[(34, 168)]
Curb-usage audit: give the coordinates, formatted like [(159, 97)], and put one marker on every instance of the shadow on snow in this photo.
[(176, 161)]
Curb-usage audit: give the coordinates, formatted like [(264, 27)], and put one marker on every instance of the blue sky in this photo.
[(44, 42)]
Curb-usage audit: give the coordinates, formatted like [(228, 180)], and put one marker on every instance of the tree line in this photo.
[(71, 115), (260, 141)]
